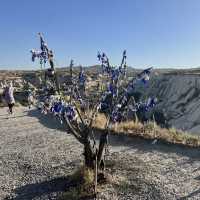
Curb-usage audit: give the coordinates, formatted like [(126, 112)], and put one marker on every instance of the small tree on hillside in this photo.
[(116, 105), (113, 103)]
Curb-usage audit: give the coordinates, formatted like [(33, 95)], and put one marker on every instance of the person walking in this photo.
[(9, 97)]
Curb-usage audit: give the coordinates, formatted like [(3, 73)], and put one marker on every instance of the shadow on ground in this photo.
[(116, 142), (142, 145), (145, 145), (47, 120), (48, 190), (191, 195)]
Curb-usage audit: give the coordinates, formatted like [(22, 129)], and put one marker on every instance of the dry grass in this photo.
[(84, 180), (100, 121), (83, 184), (149, 130), (83, 175)]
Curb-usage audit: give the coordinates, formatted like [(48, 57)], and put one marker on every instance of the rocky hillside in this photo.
[(178, 95), (178, 92)]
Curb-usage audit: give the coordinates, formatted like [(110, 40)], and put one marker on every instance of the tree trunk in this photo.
[(89, 155), (102, 143)]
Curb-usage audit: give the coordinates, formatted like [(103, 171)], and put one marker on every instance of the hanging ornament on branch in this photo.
[(44, 55)]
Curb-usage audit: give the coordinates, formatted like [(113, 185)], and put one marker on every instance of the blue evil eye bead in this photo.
[(70, 112)]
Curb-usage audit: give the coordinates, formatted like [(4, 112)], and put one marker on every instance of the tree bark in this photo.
[(89, 155), (102, 143), (90, 152)]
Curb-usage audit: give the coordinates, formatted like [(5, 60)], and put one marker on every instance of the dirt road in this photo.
[(37, 155)]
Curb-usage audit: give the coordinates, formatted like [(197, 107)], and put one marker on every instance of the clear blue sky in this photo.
[(162, 33)]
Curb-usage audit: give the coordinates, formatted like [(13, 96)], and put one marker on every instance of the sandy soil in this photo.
[(37, 156)]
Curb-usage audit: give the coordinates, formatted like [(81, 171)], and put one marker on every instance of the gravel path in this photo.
[(37, 155)]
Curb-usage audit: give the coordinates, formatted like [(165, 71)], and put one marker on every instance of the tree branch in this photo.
[(74, 132)]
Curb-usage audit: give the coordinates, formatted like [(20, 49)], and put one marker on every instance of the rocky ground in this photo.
[(37, 156)]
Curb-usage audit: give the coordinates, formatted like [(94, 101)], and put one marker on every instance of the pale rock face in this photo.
[(179, 97), (18, 83)]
